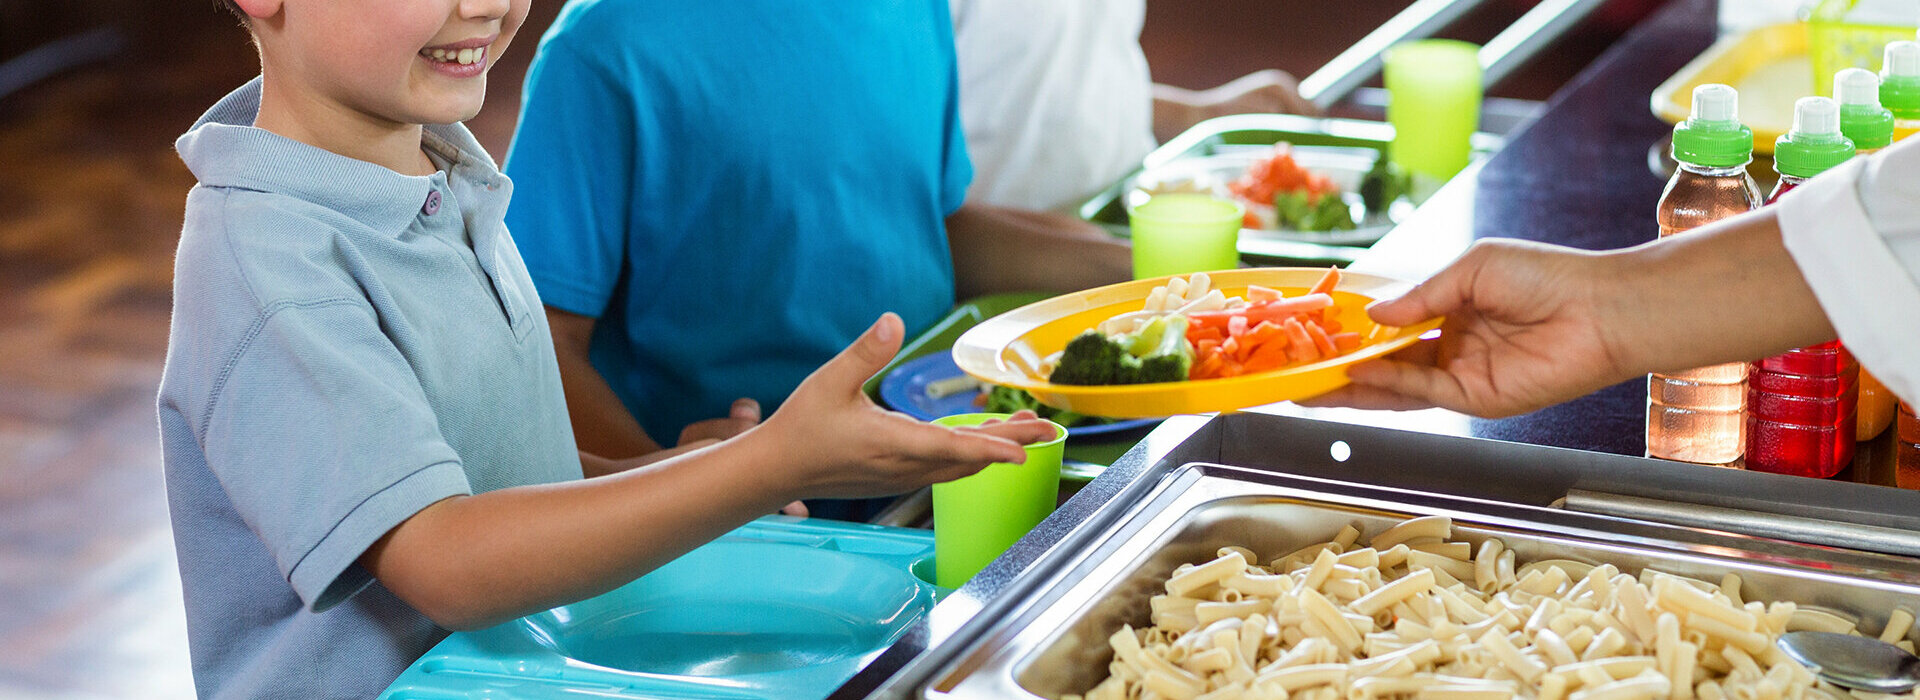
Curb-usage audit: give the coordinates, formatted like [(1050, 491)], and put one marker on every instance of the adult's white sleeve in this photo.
[(1854, 232)]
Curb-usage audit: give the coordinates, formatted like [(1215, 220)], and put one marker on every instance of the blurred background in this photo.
[(92, 95)]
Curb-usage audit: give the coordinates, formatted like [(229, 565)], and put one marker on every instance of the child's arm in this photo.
[(601, 424), (1262, 92), (1001, 249), (472, 561)]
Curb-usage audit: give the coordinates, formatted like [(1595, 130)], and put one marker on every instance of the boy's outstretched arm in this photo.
[(473, 561), (1531, 325)]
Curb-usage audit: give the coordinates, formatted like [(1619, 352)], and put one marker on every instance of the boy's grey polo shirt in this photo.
[(340, 358)]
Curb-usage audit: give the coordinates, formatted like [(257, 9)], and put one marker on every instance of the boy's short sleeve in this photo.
[(324, 441), (572, 166)]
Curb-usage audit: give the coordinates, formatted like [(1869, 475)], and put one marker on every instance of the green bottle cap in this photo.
[(1900, 79), (1712, 136), (1815, 143), (1864, 122)]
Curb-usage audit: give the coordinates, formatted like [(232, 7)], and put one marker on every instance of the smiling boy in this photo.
[(364, 431)]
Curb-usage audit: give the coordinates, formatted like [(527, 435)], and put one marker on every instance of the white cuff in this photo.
[(1869, 297)]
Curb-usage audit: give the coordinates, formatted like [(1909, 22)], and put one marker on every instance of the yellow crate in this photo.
[(1833, 42), (1770, 68)]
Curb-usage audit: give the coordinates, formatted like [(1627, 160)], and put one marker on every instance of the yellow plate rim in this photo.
[(981, 351)]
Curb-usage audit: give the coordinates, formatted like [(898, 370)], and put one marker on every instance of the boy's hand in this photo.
[(1528, 326), (841, 445), (744, 414)]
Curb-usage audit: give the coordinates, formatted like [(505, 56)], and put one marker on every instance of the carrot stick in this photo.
[(1320, 340), (1270, 355), (1300, 346), (1327, 282)]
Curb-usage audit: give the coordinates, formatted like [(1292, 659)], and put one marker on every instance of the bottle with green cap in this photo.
[(1699, 415), (1803, 405), (1900, 86), (1862, 120)]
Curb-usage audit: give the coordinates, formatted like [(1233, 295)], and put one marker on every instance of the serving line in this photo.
[(1487, 485), (1578, 176)]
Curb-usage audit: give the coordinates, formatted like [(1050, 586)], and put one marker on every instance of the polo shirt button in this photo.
[(433, 203)]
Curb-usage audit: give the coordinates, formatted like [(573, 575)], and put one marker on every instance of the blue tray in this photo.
[(782, 608)]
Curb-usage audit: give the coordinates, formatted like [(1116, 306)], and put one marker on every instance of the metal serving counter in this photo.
[(1585, 175), (1264, 480)]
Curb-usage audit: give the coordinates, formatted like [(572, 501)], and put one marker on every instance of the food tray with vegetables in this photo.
[(1188, 344), (1321, 197)]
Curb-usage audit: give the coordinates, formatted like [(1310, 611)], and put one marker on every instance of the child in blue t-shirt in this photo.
[(365, 435)]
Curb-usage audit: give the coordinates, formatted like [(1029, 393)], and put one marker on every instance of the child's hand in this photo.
[(838, 444), (744, 414), (1528, 326)]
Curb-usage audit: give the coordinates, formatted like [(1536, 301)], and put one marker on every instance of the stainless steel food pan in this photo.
[(1057, 643)]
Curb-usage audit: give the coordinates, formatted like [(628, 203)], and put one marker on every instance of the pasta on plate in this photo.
[(1418, 615)]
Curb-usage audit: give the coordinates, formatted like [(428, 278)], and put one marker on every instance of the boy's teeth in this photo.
[(460, 56)]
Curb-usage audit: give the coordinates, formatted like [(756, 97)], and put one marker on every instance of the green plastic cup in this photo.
[(1183, 233), (1433, 103), (977, 518)]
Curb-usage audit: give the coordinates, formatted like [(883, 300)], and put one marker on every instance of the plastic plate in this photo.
[(1007, 349), (1345, 166), (905, 390)]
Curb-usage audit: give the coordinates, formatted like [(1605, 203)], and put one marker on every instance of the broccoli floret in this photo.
[(1093, 359), (1383, 184), (1171, 356), (1006, 399)]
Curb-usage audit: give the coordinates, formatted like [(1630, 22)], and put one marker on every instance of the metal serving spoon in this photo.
[(1861, 663)]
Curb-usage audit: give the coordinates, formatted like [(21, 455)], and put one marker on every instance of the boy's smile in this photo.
[(461, 59), (359, 77)]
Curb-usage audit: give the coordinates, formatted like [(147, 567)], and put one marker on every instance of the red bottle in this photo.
[(1802, 405)]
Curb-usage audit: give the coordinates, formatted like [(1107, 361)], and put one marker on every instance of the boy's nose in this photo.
[(485, 9)]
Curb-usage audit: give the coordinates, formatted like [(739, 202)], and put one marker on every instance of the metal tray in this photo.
[(1057, 644), (1343, 149)]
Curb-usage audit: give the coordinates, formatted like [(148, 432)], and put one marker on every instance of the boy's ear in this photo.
[(259, 9)]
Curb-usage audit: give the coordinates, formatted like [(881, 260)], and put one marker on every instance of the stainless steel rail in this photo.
[(1791, 528), (1359, 62), (1504, 53)]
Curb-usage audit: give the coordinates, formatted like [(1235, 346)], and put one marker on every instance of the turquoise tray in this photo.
[(782, 608)]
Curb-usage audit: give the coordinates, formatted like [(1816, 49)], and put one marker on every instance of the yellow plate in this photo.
[(1770, 68), (1007, 349)]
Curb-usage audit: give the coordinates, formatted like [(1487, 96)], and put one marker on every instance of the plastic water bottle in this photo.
[(1699, 415), (1801, 405), (1900, 86)]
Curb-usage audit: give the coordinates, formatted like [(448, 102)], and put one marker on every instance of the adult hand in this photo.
[(1528, 326), (841, 445), (1262, 92)]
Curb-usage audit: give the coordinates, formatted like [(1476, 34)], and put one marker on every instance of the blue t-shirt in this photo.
[(735, 190), (349, 345)]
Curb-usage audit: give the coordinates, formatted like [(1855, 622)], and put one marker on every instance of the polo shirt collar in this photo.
[(224, 149)]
